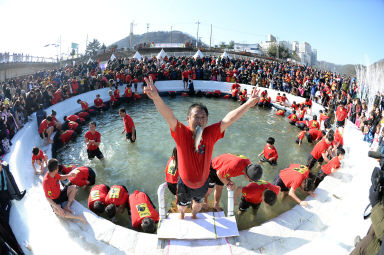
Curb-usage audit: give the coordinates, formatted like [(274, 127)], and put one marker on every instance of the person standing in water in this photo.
[(195, 144)]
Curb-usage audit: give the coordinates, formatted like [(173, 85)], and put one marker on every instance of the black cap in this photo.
[(254, 172)]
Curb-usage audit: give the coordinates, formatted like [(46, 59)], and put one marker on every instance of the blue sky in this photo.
[(342, 31)]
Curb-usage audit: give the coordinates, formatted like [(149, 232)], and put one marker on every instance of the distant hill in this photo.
[(156, 37), (343, 69)]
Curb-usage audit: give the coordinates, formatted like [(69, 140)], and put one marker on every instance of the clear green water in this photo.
[(141, 165)]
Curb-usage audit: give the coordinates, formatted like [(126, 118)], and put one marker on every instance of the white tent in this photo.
[(198, 54), (137, 56), (225, 54), (112, 57), (89, 61), (162, 54)]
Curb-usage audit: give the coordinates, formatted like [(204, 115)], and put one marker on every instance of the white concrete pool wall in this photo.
[(330, 223)]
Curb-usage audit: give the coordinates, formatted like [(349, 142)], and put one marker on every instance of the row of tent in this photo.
[(162, 54)]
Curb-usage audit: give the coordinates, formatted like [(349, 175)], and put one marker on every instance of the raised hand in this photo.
[(254, 97), (150, 89)]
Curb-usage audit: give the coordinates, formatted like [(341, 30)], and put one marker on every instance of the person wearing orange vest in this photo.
[(117, 197), (143, 212), (96, 198)]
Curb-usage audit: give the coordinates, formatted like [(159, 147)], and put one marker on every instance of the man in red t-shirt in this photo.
[(332, 166), (84, 176), (96, 199), (269, 153), (45, 130), (117, 197), (314, 123), (143, 212), (99, 103), (195, 145), (320, 151), (255, 193), (129, 126), (341, 115), (63, 137), (314, 134), (224, 167), (55, 196), (40, 158), (293, 177), (93, 139)]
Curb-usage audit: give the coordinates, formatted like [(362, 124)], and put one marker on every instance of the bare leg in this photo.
[(181, 211), (71, 193), (196, 207), (218, 192), (50, 131), (209, 192)]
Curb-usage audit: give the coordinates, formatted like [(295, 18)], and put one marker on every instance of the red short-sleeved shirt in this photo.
[(84, 105), (98, 193), (39, 156), (66, 136), (141, 208), (301, 135), (323, 117), (334, 163), (43, 126), (96, 136), (128, 123), (315, 133), (338, 138), (82, 173), (51, 186), (270, 152), (278, 98), (66, 169), (171, 173), (98, 102), (319, 149), (73, 117), (194, 166), (292, 117), (341, 113), (230, 165), (117, 195), (253, 192), (314, 124), (294, 175)]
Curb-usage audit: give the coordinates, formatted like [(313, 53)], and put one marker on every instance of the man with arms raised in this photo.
[(195, 145)]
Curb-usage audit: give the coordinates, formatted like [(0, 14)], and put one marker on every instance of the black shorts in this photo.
[(91, 176), (340, 123), (63, 196), (95, 153), (129, 136), (213, 179), (244, 205), (185, 79), (172, 187), (185, 195), (41, 134), (263, 159), (312, 161), (279, 182)]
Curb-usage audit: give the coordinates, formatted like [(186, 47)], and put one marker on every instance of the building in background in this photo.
[(252, 48)]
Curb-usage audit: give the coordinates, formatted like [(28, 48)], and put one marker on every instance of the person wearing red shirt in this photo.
[(63, 137), (284, 100), (129, 126), (320, 151), (45, 130), (314, 123), (278, 98), (291, 178), (269, 153), (195, 145), (128, 93), (294, 106), (84, 176), (341, 115), (71, 125), (143, 212), (323, 116), (96, 198), (113, 101), (301, 135), (302, 124), (172, 173), (86, 110), (301, 113), (338, 141), (185, 76), (292, 118), (66, 169), (99, 103), (55, 196), (255, 193), (93, 139), (116, 93), (332, 166), (55, 123), (314, 134), (135, 81), (40, 158), (224, 167), (117, 197), (280, 113)]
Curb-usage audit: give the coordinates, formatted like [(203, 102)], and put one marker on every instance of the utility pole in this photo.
[(210, 38), (86, 44), (171, 34), (147, 27), (277, 48), (197, 35)]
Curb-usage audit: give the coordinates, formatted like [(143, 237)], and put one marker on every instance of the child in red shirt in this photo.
[(331, 167), (269, 153), (40, 159)]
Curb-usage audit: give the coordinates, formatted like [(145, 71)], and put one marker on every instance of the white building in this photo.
[(305, 48), (295, 46), (252, 48), (314, 56)]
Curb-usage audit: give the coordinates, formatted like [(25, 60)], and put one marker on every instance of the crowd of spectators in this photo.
[(21, 96)]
